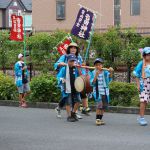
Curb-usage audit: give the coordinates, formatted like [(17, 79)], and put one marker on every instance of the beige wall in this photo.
[(0, 18), (140, 21), (44, 13), (107, 10)]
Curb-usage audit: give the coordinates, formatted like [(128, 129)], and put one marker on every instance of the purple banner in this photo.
[(83, 24)]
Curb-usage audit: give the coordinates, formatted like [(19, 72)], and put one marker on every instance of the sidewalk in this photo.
[(112, 109)]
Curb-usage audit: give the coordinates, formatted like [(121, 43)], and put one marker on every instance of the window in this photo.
[(10, 12), (19, 13), (116, 12), (60, 9), (135, 7)]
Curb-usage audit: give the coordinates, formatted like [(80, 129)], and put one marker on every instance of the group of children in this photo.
[(99, 80)]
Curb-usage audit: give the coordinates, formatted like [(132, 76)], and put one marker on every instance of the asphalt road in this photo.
[(39, 129)]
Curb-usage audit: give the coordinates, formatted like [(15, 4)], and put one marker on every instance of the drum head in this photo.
[(79, 84)]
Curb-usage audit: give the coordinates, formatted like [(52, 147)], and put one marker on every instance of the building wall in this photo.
[(107, 10), (44, 14), (139, 21), (1, 17)]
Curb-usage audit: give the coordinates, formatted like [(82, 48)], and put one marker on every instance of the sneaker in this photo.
[(78, 116), (73, 115), (24, 105), (81, 108), (88, 109), (102, 122), (58, 112), (142, 121), (98, 122), (85, 112), (71, 119)]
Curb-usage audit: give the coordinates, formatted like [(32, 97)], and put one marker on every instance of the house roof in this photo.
[(27, 4), (4, 3)]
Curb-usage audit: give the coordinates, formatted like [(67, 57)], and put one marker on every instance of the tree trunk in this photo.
[(129, 73)]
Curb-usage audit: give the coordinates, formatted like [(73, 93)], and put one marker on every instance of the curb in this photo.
[(112, 109)]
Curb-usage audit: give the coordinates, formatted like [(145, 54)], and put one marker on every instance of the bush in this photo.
[(7, 88), (123, 94), (44, 89)]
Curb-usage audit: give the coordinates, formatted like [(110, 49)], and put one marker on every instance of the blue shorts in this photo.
[(72, 99), (103, 104), (25, 88)]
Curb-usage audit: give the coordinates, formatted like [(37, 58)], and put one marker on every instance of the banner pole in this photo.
[(95, 12), (24, 41), (90, 39)]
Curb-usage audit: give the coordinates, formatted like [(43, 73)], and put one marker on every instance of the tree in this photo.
[(130, 54)]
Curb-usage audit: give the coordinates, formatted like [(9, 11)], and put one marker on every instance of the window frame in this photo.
[(58, 2), (131, 8), (117, 19)]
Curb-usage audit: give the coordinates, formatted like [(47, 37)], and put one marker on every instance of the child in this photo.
[(67, 76), (142, 73), (73, 48), (21, 80), (100, 81)]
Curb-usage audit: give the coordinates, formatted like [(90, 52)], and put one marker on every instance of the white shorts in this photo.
[(145, 95), (25, 88)]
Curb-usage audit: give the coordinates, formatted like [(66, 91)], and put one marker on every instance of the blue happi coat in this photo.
[(61, 76), (18, 73), (106, 81), (63, 58), (138, 73)]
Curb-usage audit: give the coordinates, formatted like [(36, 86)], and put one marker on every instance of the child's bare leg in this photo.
[(68, 109), (76, 106), (101, 112), (25, 95), (20, 98), (97, 111), (85, 102), (142, 108)]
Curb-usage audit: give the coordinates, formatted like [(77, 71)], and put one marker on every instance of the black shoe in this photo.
[(73, 115), (71, 119), (85, 112)]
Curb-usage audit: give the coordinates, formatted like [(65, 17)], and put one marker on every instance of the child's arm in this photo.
[(61, 76), (138, 70), (96, 75), (60, 62), (18, 71), (138, 83)]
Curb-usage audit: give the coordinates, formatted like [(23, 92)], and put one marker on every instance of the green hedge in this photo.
[(7, 88), (123, 94), (44, 89)]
